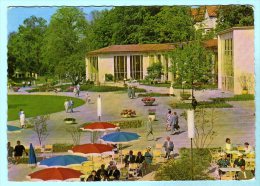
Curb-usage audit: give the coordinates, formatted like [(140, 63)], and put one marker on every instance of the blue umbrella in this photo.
[(11, 128), (61, 161), (120, 137), (32, 156)]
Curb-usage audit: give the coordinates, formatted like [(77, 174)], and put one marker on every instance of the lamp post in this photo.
[(99, 108)]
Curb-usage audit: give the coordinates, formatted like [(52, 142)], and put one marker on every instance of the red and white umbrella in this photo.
[(92, 149), (55, 174)]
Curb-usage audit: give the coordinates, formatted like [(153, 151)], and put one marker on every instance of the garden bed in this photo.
[(202, 104)]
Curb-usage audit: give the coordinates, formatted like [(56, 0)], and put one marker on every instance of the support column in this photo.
[(128, 67)]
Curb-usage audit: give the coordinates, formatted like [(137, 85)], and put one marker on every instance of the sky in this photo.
[(16, 15)]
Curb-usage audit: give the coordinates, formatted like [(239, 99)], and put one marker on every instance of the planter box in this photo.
[(148, 103), (70, 120)]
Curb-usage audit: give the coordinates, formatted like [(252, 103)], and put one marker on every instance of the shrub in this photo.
[(25, 160), (124, 124), (151, 111), (202, 104), (243, 97), (62, 147), (109, 77), (153, 94), (180, 169)]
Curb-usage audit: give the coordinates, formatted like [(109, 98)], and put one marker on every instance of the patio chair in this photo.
[(48, 149)]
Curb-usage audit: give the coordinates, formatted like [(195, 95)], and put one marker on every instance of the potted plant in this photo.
[(244, 84), (128, 113), (185, 95), (148, 101), (69, 120), (152, 114)]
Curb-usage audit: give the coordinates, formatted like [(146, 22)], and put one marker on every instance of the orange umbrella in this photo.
[(100, 126), (55, 174), (91, 149)]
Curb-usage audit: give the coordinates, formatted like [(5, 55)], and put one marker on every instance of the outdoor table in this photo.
[(229, 169)]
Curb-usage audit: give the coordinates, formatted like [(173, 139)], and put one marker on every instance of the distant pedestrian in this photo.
[(175, 126), (78, 89), (75, 90), (66, 105), (71, 104), (23, 84), (87, 97), (149, 128), (22, 119), (29, 83), (169, 119)]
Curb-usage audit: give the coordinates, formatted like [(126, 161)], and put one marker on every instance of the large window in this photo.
[(227, 65), (120, 67), (136, 67), (93, 68)]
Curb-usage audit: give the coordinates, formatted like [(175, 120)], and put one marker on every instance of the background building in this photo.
[(236, 60)]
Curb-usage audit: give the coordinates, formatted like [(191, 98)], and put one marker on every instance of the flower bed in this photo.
[(128, 113), (16, 89), (148, 101)]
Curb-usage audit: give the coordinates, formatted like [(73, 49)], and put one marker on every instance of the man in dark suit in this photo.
[(114, 173), (130, 158), (239, 161), (168, 146)]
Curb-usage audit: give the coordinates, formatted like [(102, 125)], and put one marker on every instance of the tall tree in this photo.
[(25, 46), (191, 63), (65, 44), (234, 15)]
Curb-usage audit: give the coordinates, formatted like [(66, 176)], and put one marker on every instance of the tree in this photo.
[(234, 15), (65, 48), (25, 46), (155, 71), (191, 63), (75, 134), (12, 62), (40, 127)]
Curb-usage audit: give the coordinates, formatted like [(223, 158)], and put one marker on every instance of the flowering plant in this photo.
[(128, 113), (148, 99), (70, 89), (15, 89), (151, 111)]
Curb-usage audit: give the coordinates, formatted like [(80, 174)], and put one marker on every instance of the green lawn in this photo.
[(34, 105)]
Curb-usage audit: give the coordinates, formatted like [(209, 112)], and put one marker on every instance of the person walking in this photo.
[(66, 105), (22, 119), (168, 146), (169, 119), (71, 103), (149, 128), (78, 89), (175, 127)]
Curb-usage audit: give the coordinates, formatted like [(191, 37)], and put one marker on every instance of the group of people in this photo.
[(110, 173), (14, 154), (226, 156), (172, 122), (76, 90), (68, 104)]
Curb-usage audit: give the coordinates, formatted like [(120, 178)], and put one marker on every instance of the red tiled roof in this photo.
[(211, 43), (133, 48)]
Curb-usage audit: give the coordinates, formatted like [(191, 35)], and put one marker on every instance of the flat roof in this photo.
[(235, 28), (133, 48)]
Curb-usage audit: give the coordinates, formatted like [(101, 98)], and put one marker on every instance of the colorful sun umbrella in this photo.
[(51, 174), (12, 129), (61, 161), (91, 149), (32, 156), (120, 137), (99, 126)]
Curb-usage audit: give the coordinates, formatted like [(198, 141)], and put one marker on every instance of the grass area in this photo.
[(34, 105), (87, 87), (243, 97), (153, 94), (202, 104)]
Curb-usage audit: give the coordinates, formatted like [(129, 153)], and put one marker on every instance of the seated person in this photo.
[(223, 162), (139, 158), (93, 176), (244, 174), (239, 161), (111, 164), (130, 158), (114, 173), (248, 148), (102, 172)]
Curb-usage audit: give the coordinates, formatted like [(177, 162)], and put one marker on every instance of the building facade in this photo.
[(127, 61), (236, 60)]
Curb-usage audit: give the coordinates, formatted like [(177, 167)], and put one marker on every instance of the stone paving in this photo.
[(237, 123)]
